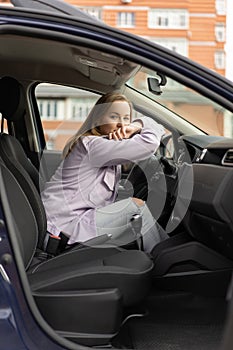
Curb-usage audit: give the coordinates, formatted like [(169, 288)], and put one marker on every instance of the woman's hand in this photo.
[(125, 131)]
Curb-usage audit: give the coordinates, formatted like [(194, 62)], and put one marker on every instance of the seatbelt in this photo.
[(56, 244)]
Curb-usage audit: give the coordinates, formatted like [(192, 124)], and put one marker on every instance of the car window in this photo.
[(62, 110), (200, 111)]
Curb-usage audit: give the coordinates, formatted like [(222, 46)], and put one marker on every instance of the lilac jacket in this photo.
[(88, 179)]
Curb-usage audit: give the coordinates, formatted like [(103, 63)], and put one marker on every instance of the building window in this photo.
[(81, 107), (93, 11), (79, 112), (179, 45), (220, 32), (219, 59), (220, 7), (49, 108), (168, 19), (126, 19)]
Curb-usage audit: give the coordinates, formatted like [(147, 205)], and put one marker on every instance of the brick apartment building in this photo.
[(193, 28)]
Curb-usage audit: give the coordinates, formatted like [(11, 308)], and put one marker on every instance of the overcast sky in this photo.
[(229, 41)]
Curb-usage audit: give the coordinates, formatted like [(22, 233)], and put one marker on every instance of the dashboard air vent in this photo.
[(228, 158)]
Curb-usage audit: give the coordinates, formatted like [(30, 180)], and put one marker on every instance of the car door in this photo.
[(59, 30)]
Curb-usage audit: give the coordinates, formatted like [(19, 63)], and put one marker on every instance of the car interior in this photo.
[(119, 296)]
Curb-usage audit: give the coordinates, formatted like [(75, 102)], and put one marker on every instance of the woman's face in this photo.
[(117, 115)]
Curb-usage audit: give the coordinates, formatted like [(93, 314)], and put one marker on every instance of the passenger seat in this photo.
[(73, 289)]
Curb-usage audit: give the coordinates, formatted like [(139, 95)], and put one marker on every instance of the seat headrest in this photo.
[(12, 99)]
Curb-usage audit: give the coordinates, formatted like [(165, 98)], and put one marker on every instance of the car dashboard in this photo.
[(209, 215), (207, 149)]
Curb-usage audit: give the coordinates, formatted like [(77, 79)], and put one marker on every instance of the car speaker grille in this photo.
[(228, 158)]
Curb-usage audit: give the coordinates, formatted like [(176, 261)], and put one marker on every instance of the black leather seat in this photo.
[(87, 281)]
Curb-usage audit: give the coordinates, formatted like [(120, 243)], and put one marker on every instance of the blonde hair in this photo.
[(90, 125)]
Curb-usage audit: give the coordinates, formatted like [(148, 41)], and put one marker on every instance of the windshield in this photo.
[(198, 110)]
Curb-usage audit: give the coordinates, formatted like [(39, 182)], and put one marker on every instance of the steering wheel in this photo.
[(153, 180)]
